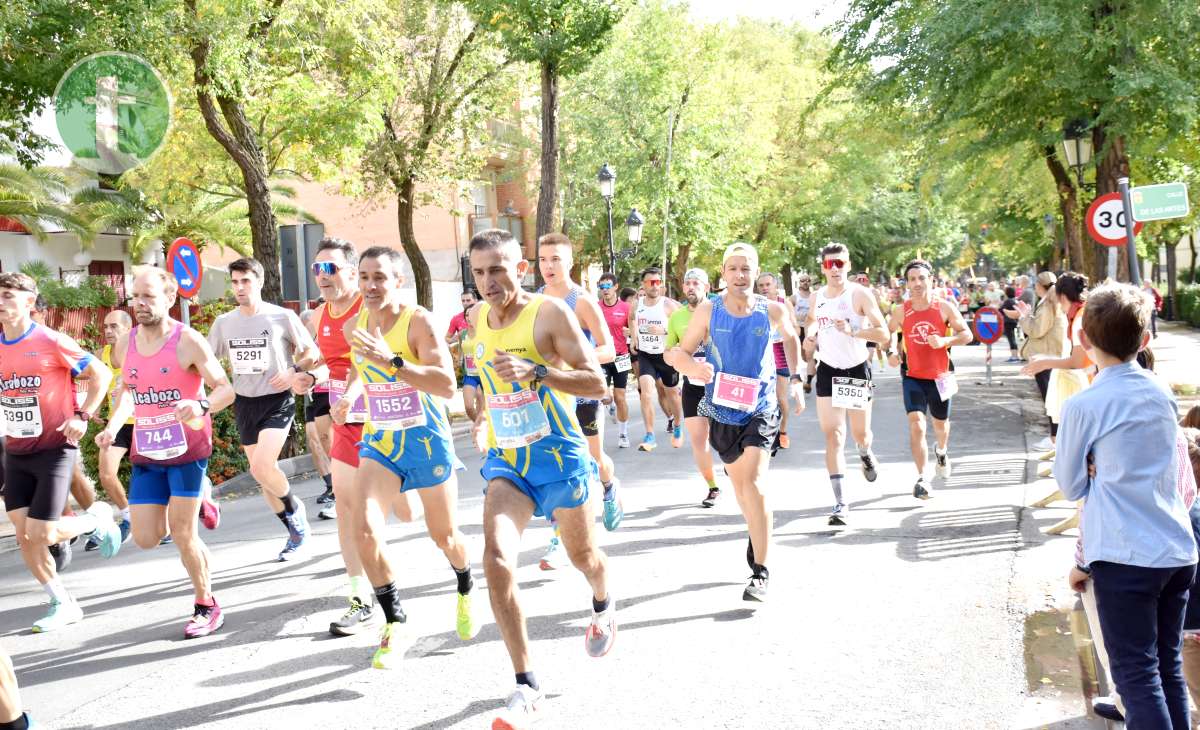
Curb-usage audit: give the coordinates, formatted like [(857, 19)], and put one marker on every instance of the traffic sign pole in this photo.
[(1135, 276)]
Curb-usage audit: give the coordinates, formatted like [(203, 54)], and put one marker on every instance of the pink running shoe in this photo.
[(204, 621), (210, 514)]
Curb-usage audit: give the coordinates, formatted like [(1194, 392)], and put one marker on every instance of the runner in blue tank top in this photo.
[(739, 398)]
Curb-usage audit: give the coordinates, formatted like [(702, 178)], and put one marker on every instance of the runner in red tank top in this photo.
[(335, 269), (926, 374), (165, 367), (43, 425)]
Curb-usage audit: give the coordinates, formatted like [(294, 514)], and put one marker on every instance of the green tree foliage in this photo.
[(561, 37)]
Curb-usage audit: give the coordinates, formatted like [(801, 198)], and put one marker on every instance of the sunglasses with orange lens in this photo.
[(828, 264)]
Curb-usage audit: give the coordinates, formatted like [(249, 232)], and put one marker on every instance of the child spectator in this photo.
[(1138, 545)]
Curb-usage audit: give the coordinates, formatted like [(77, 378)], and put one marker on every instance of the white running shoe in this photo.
[(623, 441), (328, 512), (523, 708), (62, 613), (602, 632), (942, 464)]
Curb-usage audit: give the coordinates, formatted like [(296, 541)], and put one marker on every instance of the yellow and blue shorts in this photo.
[(422, 459)]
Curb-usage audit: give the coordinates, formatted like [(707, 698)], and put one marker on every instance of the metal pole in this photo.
[(185, 315), (1135, 276), (1112, 262), (612, 252), (989, 364)]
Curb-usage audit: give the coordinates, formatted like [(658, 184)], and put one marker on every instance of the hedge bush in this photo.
[(1189, 303)]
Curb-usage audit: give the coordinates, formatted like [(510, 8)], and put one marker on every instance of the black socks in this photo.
[(328, 478), (22, 722), (465, 581), (527, 679), (600, 606), (388, 599), (289, 503)]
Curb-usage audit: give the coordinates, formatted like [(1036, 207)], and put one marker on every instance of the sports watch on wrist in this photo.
[(397, 362), (540, 372), (205, 406)]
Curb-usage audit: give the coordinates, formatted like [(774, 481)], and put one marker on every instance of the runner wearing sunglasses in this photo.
[(336, 273), (616, 373), (843, 316), (648, 321)]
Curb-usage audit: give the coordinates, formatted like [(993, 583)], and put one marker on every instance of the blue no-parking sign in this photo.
[(989, 325), (183, 261)]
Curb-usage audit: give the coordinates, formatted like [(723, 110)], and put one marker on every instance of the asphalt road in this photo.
[(914, 616)]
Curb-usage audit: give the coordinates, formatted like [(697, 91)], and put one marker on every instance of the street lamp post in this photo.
[(1077, 144), (607, 180)]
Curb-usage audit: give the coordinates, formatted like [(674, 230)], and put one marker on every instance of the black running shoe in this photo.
[(359, 614), (326, 496), (868, 466), (711, 499), (61, 553), (756, 589), (670, 424), (92, 544), (919, 490)]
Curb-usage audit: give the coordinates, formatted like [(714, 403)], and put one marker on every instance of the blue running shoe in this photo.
[(677, 437), (126, 530), (614, 511), (648, 443)]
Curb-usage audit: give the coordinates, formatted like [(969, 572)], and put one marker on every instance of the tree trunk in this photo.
[(681, 259), (230, 128), (408, 239), (1068, 206), (1192, 249), (1113, 164), (547, 193), (786, 274)]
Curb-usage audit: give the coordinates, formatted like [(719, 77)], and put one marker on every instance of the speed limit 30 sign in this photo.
[(1106, 220)]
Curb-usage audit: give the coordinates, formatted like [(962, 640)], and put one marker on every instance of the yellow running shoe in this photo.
[(390, 649), (465, 620)]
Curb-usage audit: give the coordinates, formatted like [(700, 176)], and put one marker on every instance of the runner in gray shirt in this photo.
[(269, 352)]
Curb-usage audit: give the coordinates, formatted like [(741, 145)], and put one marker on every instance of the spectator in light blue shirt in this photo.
[(1137, 538)]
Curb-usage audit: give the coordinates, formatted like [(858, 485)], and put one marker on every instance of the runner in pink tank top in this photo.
[(157, 383), (165, 367)]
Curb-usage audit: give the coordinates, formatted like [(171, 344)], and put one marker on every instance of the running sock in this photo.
[(624, 427), (939, 451), (361, 589), (207, 602), (388, 599), (608, 491), (22, 723), (56, 590), (527, 679), (289, 503), (760, 571), (712, 483), (601, 606), (810, 379), (125, 513), (465, 582), (835, 481), (328, 479), (863, 450)]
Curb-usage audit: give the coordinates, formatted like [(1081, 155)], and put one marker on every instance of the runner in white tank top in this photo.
[(839, 349), (843, 317), (648, 324), (802, 301)]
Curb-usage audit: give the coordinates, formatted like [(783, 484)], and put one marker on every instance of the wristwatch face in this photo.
[(397, 362), (540, 372)]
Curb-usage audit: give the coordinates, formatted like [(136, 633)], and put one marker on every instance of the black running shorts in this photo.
[(40, 480), (261, 413), (730, 442), (656, 367), (618, 379), (826, 374), (691, 395), (587, 415)]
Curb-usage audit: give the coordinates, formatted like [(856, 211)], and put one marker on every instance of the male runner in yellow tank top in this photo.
[(533, 362), (405, 371)]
